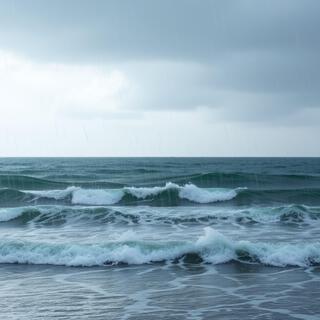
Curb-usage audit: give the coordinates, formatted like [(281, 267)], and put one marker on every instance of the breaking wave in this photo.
[(212, 247), (171, 193)]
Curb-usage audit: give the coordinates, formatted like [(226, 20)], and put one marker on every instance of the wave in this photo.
[(13, 197), (151, 177), (57, 215), (171, 193), (300, 196), (252, 180), (28, 183), (22, 182), (212, 247)]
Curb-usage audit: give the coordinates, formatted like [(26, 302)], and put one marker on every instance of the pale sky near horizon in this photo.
[(159, 78)]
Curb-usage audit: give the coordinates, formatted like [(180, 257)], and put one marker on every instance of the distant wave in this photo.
[(280, 196), (235, 179), (151, 177), (212, 247), (26, 182), (22, 182)]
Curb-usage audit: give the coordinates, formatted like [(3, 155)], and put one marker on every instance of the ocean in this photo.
[(160, 238)]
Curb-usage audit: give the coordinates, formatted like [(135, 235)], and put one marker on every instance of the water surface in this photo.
[(167, 238)]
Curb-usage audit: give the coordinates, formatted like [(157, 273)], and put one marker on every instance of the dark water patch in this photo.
[(12, 197), (308, 196), (258, 181), (21, 182), (189, 258), (125, 170), (98, 184)]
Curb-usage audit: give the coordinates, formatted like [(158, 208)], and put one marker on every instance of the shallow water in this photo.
[(168, 238), (228, 291)]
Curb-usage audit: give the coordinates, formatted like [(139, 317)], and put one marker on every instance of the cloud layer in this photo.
[(234, 63)]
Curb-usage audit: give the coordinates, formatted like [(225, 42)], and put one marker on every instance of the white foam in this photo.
[(112, 196), (213, 247), (144, 192), (188, 191), (7, 214), (54, 194), (97, 196), (199, 195)]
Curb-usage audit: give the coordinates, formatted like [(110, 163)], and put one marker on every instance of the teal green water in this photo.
[(167, 238)]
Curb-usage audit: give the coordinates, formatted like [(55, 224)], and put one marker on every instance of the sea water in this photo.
[(162, 238)]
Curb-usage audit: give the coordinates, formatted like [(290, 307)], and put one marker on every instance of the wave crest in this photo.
[(189, 192)]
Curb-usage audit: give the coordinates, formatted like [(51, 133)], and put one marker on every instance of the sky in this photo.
[(159, 78)]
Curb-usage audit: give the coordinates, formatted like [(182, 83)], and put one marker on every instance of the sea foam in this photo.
[(112, 196), (212, 247), (147, 215), (7, 214)]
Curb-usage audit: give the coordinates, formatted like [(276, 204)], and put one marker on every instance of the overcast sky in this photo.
[(159, 78)]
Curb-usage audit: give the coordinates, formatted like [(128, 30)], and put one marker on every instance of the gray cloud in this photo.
[(181, 29), (249, 59)]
